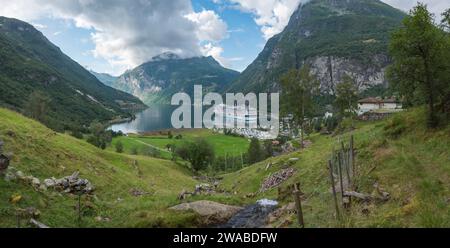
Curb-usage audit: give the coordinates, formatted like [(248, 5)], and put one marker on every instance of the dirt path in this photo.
[(152, 146)]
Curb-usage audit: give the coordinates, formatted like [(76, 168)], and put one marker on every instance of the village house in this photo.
[(374, 104)]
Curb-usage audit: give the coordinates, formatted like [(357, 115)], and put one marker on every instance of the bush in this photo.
[(119, 147), (255, 152), (395, 127), (134, 150), (345, 125), (331, 123), (199, 153), (77, 134)]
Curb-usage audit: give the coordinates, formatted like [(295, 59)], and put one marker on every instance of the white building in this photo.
[(373, 104)]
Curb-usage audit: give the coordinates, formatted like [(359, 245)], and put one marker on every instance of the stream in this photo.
[(252, 216)]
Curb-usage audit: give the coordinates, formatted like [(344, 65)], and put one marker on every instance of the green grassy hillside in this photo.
[(405, 159), (414, 168), (40, 152)]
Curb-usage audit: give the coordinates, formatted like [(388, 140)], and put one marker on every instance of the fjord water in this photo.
[(155, 118)]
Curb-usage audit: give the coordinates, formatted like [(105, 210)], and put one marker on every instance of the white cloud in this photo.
[(271, 15), (437, 7), (210, 26), (128, 33)]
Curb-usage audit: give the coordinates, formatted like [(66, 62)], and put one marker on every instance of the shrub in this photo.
[(134, 150), (77, 134), (119, 147), (199, 153), (255, 152), (395, 127)]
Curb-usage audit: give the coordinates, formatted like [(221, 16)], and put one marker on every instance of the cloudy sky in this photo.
[(115, 35)]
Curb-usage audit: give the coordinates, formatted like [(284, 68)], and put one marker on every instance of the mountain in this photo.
[(334, 37), (105, 78), (156, 81), (29, 62)]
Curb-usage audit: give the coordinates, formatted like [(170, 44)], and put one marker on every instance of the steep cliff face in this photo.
[(333, 37), (167, 74), (330, 70)]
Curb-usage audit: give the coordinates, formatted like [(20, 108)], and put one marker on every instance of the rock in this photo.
[(35, 182), (49, 183), (138, 192), (10, 176), (211, 212), (183, 195), (37, 224), (42, 187), (70, 184), (33, 212), (20, 175), (204, 189), (293, 160)]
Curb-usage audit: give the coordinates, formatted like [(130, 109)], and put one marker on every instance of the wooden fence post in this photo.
[(298, 205), (336, 205), (352, 154), (341, 183)]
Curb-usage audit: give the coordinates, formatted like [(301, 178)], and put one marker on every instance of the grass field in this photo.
[(223, 144), (414, 168)]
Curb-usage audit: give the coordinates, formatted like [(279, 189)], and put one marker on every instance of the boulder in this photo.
[(50, 182), (70, 184), (210, 212), (35, 182)]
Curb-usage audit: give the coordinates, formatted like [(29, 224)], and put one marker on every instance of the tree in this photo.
[(170, 135), (268, 148), (199, 153), (346, 97), (99, 136), (421, 69), (119, 147), (298, 90), (446, 19), (255, 152), (37, 106)]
